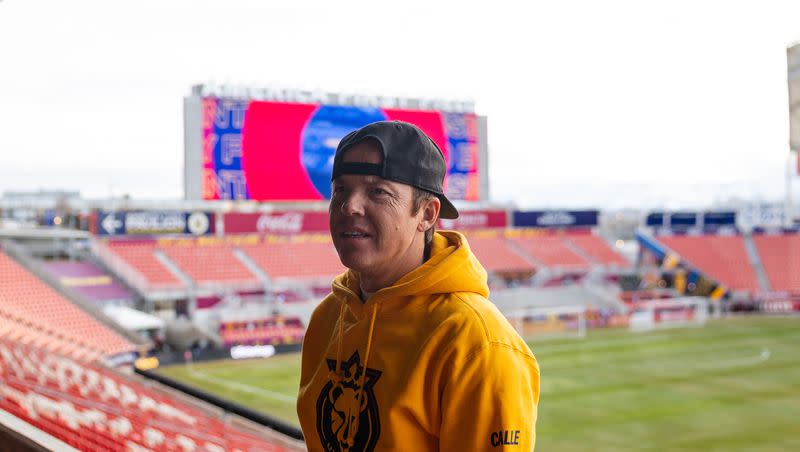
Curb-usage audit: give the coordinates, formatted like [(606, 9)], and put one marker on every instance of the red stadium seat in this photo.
[(208, 263), (296, 260), (551, 251), (107, 411), (780, 255), (140, 255), (39, 315), (496, 256), (597, 249), (723, 258)]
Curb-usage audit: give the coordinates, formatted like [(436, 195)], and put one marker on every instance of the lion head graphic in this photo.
[(347, 415)]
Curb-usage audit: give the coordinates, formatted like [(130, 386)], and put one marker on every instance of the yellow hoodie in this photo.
[(445, 371)]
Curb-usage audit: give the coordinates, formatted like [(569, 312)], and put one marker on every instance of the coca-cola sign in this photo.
[(289, 222), (476, 219)]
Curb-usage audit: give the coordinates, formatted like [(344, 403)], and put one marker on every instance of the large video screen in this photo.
[(276, 151)]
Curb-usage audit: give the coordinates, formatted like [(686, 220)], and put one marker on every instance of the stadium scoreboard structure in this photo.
[(278, 145)]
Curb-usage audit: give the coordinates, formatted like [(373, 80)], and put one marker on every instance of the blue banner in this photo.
[(719, 219), (555, 218), (152, 223), (680, 222)]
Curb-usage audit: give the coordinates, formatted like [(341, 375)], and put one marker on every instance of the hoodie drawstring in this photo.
[(334, 375), (337, 378), (351, 432)]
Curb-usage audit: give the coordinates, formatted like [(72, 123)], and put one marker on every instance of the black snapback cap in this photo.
[(409, 157)]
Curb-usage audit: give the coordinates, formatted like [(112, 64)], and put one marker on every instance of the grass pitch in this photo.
[(731, 385)]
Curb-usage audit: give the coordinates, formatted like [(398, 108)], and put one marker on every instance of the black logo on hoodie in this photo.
[(347, 415)]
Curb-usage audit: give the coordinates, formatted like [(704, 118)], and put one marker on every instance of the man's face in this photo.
[(372, 222)]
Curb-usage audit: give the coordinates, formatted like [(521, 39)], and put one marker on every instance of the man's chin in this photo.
[(355, 262)]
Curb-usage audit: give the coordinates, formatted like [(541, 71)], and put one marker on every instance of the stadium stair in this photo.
[(596, 249), (253, 267), (173, 268), (758, 266), (135, 263), (551, 252), (209, 264), (780, 255), (572, 246)]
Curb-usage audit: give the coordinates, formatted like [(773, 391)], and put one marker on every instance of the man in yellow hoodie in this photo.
[(407, 353)]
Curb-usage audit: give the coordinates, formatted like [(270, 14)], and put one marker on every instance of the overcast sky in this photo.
[(590, 104)]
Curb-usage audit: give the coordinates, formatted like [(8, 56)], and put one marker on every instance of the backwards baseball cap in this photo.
[(409, 157)]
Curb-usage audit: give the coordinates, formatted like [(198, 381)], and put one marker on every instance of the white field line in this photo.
[(744, 361), (651, 358), (244, 388)]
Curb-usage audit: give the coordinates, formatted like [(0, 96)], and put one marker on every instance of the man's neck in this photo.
[(365, 295), (373, 283)]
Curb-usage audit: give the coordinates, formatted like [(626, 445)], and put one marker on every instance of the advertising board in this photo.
[(153, 222), (476, 219), (279, 151), (283, 222), (555, 218)]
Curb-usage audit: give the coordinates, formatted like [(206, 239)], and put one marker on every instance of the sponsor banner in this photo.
[(276, 222), (681, 220), (476, 219), (777, 230), (151, 223), (699, 221), (272, 151), (711, 219), (696, 230), (555, 218), (763, 214), (675, 314), (252, 351), (654, 219), (780, 306)]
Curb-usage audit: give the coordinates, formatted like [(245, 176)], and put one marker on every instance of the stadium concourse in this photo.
[(67, 358)]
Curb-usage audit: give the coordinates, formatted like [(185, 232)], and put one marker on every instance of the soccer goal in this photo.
[(552, 321), (669, 313)]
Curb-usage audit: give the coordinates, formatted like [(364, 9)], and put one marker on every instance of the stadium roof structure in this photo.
[(42, 233)]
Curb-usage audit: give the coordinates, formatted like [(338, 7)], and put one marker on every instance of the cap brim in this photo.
[(448, 211)]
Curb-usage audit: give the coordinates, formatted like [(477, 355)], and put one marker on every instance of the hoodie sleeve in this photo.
[(490, 401)]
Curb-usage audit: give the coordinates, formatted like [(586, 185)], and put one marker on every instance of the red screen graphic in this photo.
[(277, 151)]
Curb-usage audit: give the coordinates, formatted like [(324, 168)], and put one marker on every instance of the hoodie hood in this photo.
[(451, 268)]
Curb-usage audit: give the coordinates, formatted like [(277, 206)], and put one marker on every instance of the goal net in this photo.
[(669, 313)]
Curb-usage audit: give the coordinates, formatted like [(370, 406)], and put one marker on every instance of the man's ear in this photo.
[(430, 213)]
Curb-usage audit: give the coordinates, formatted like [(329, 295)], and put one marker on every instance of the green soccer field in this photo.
[(731, 385)]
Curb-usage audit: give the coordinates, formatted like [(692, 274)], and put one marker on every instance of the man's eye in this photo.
[(379, 191)]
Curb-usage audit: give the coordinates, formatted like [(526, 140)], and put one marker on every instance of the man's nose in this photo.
[(353, 204)]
